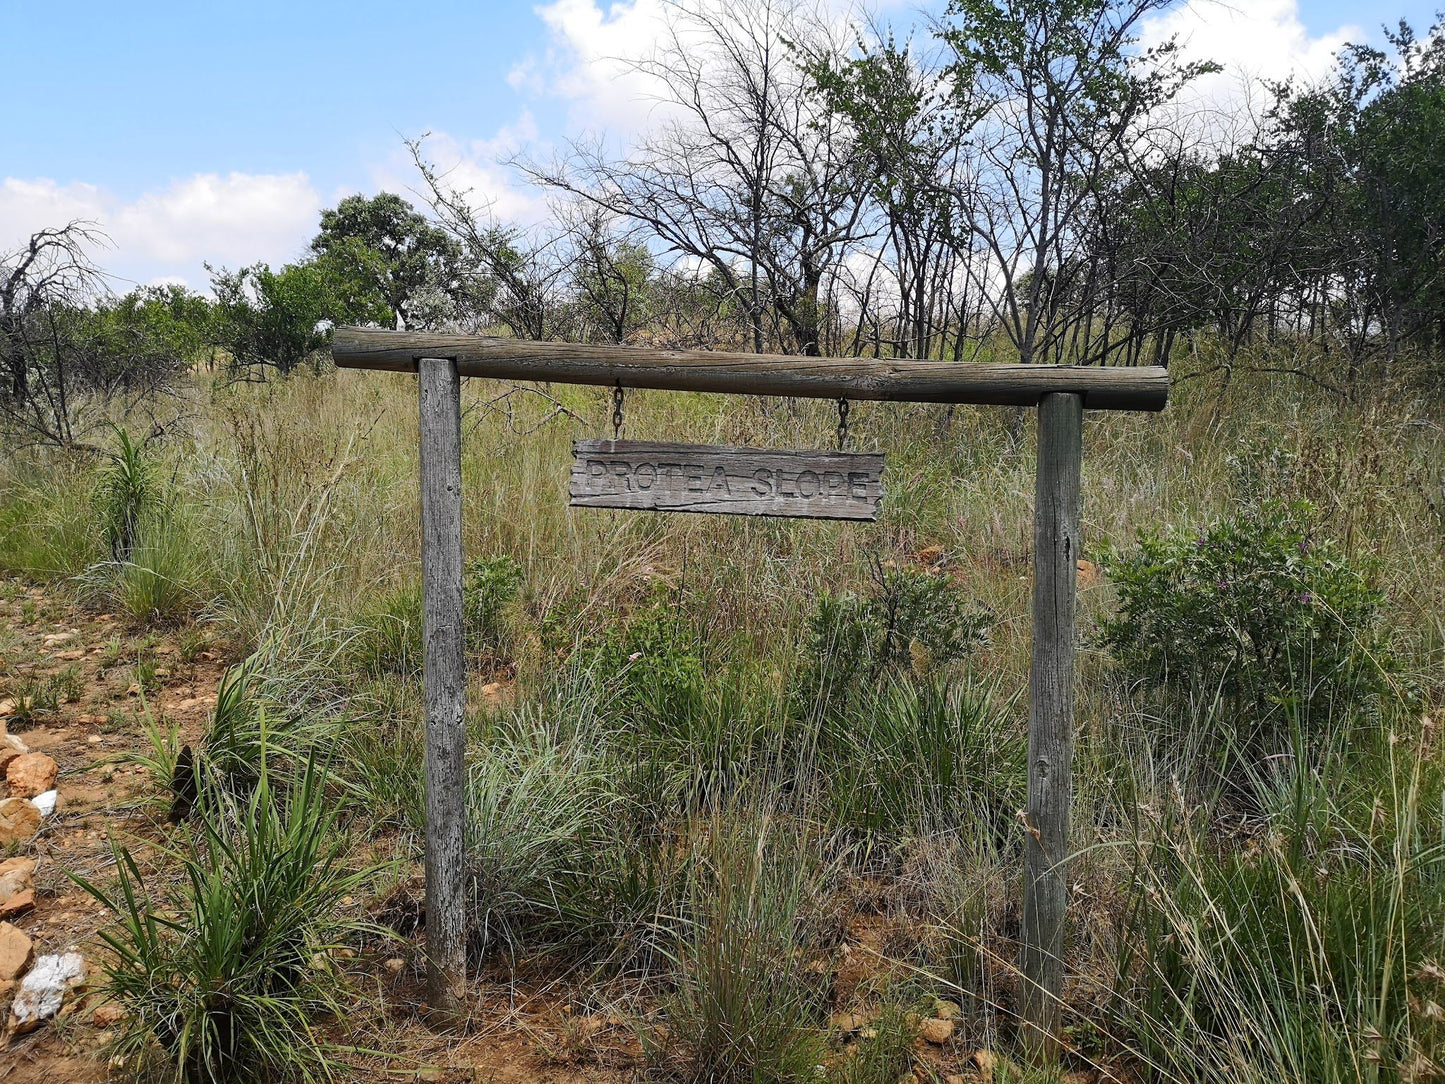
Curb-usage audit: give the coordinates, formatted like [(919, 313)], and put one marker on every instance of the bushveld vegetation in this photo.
[(736, 779), (719, 755)]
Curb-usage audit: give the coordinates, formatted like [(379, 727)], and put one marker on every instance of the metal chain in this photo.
[(617, 410), (843, 409)]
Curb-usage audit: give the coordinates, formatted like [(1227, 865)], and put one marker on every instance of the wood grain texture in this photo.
[(444, 680), (726, 479), (903, 380), (1051, 719)]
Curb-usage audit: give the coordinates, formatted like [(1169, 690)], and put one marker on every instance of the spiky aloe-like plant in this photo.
[(225, 975), (126, 492)]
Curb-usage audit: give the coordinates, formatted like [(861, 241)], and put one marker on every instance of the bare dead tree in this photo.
[(744, 173), (42, 285), (512, 277)]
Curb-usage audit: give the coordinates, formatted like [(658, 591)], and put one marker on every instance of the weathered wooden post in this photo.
[(1051, 717), (444, 680)]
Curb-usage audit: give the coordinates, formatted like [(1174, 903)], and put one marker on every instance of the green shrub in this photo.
[(389, 638), (922, 754), (253, 731), (649, 667), (47, 525), (492, 584), (538, 815), (696, 746), (1258, 612), (235, 746), (127, 493), (161, 581), (224, 972), (689, 723), (383, 745), (36, 697), (884, 1056), (157, 567), (912, 621)]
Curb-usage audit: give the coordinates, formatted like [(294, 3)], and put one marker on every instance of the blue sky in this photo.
[(197, 131)]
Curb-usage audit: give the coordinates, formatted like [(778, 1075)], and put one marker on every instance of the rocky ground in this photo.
[(76, 691)]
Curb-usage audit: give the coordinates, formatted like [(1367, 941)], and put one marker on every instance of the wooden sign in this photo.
[(724, 479)]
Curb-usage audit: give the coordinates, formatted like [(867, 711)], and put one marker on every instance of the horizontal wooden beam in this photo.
[(895, 380)]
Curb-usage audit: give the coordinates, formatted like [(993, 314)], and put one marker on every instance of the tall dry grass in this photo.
[(610, 793)]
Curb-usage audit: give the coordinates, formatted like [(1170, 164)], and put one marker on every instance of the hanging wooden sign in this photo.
[(725, 479)]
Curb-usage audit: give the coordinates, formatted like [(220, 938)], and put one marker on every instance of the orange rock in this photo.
[(495, 694), (16, 951), (106, 1014), (19, 820), (10, 748), (935, 1031), (31, 774), (987, 1063), (18, 904), (16, 875)]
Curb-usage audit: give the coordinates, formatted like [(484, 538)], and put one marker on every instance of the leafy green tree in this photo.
[(412, 265), (278, 319), (908, 129), (72, 357), (169, 325), (1395, 151)]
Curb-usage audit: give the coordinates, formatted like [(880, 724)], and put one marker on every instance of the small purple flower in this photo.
[(1222, 585), (1305, 597)]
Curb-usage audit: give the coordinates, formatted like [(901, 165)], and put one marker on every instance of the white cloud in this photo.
[(1253, 40), (593, 50), (27, 206), (167, 234), (590, 61)]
